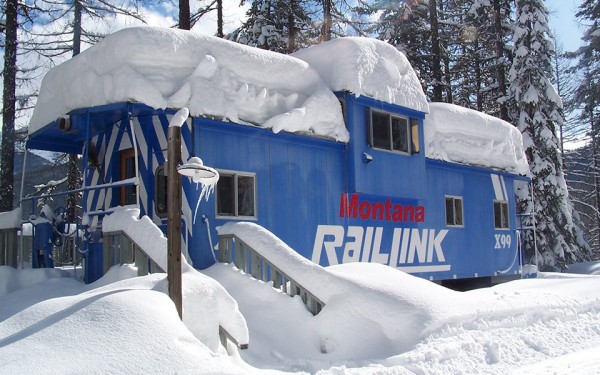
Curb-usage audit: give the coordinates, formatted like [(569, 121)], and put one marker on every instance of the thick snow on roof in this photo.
[(462, 135), (367, 67), (167, 68)]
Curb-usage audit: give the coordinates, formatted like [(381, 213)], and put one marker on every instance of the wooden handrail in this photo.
[(132, 249), (234, 250)]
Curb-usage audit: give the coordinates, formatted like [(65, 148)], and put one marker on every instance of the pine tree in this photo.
[(406, 27), (559, 240), (275, 25), (587, 98), (492, 58)]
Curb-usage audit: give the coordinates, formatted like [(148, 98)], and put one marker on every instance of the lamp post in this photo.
[(194, 169), (174, 209)]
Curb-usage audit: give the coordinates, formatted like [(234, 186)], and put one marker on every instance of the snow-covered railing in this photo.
[(119, 248), (10, 224), (233, 249), (8, 247)]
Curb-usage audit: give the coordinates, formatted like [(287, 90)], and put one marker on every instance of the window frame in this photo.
[(390, 132), (236, 215), (502, 203), (454, 199)]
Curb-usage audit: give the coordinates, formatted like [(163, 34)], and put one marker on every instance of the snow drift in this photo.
[(367, 67), (167, 68), (463, 135)]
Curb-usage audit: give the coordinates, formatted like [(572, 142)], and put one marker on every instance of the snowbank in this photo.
[(206, 304), (364, 302), (462, 135), (168, 68), (367, 67), (126, 327)]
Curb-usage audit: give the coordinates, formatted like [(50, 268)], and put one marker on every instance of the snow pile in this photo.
[(127, 327), (362, 300), (10, 219), (199, 291), (462, 135), (367, 67), (167, 68), (122, 325)]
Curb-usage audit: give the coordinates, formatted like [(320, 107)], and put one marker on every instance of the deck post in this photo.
[(174, 217)]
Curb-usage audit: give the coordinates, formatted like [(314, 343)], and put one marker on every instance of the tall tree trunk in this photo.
[(436, 58), (478, 78), (73, 172), (292, 29), (220, 18), (327, 21), (8, 108), (595, 162), (500, 71), (184, 15)]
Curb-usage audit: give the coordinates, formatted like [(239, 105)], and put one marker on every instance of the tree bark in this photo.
[(500, 71), (327, 21), (8, 108), (73, 172), (436, 65), (184, 15), (220, 18)]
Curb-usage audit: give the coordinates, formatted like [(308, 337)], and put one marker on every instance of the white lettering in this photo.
[(352, 248), (412, 249), (376, 256), (418, 245), (338, 239)]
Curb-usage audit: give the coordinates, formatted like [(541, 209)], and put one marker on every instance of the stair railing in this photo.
[(234, 250)]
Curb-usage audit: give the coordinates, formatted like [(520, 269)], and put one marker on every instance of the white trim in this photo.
[(497, 187), (415, 269), (462, 209), (503, 184)]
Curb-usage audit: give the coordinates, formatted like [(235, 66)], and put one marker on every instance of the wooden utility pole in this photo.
[(174, 217)]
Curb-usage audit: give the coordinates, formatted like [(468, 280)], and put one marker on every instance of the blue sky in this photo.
[(564, 23)]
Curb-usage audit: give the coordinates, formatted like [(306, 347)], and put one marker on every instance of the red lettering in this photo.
[(349, 209), (365, 210), (352, 207)]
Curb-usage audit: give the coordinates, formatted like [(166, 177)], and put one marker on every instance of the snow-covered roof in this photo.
[(167, 68), (367, 67), (462, 135)]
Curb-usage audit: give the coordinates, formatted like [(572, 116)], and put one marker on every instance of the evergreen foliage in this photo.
[(558, 237)]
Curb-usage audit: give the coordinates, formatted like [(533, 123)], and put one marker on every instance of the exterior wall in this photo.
[(296, 176), (323, 198), (151, 139)]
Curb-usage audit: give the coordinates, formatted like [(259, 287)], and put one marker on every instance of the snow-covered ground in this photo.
[(391, 323)]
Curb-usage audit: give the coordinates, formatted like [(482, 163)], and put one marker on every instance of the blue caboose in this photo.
[(345, 165)]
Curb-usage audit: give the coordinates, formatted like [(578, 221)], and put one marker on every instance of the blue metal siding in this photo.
[(296, 176), (319, 196), (473, 249), (389, 173)]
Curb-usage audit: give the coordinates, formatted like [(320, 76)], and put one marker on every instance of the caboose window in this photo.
[(236, 195), (501, 215), (454, 211), (389, 132)]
